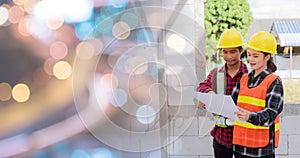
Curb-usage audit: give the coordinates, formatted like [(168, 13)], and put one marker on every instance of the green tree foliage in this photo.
[(220, 15)]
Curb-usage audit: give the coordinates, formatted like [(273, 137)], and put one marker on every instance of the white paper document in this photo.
[(218, 104)]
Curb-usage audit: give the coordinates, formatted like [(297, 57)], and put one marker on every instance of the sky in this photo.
[(275, 9)]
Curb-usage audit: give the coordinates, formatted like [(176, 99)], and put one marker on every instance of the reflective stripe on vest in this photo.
[(223, 121), (253, 99), (220, 89), (220, 121), (250, 100), (221, 82)]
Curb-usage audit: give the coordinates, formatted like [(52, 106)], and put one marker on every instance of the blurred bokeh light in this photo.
[(21, 92), (5, 91), (42, 111), (62, 70), (3, 15)]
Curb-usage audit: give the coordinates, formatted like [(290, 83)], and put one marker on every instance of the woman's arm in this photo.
[(274, 106)]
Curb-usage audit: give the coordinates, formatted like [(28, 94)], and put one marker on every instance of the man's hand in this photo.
[(211, 92), (202, 105)]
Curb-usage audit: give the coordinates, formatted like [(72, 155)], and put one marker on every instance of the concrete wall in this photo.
[(189, 129), (194, 140)]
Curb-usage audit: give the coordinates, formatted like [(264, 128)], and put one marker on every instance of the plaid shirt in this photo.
[(222, 135), (266, 117)]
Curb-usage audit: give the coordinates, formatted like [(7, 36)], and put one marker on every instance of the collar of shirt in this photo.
[(243, 68), (254, 81), (263, 74)]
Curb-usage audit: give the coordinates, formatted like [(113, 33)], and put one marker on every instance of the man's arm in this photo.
[(207, 85)]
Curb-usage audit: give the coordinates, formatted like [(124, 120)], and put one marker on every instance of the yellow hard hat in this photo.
[(263, 41), (230, 38)]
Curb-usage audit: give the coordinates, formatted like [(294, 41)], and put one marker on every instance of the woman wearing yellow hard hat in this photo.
[(221, 80), (259, 97)]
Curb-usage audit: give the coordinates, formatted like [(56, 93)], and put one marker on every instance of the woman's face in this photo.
[(257, 59)]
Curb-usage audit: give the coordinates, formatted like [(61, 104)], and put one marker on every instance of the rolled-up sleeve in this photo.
[(207, 84)]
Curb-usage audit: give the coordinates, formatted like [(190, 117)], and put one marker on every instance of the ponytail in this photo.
[(270, 63)]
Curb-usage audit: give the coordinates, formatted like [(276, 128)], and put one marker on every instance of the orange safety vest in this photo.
[(254, 100)]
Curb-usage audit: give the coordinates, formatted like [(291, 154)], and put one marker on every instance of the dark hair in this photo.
[(240, 48), (270, 63)]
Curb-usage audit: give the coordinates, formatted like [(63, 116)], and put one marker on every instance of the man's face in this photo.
[(231, 55)]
